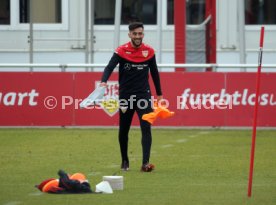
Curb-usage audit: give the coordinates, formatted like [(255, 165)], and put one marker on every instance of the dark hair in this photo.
[(135, 25)]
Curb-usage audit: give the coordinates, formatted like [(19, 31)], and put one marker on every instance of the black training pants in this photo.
[(140, 104)]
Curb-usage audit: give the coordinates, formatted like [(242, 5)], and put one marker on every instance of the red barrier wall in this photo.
[(198, 99)]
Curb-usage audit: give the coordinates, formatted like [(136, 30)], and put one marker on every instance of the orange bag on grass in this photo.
[(66, 183)]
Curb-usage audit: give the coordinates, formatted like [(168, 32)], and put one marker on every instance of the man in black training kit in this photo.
[(135, 60)]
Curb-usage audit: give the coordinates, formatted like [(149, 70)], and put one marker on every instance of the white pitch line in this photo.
[(167, 145), (13, 203), (94, 173), (35, 194), (193, 136), (181, 140), (113, 166), (199, 133), (203, 132)]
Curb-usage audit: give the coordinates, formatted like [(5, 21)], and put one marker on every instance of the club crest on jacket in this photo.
[(110, 102), (145, 53)]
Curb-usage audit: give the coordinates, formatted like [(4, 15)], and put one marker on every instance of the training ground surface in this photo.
[(192, 166)]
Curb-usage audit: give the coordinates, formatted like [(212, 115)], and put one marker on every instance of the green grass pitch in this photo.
[(192, 166)]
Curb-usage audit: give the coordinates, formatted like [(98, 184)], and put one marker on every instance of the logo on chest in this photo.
[(127, 66), (145, 53)]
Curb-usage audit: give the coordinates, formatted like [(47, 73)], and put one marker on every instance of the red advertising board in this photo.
[(22, 98), (198, 99)]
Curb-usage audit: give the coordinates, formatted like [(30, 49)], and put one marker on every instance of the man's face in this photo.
[(136, 36)]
